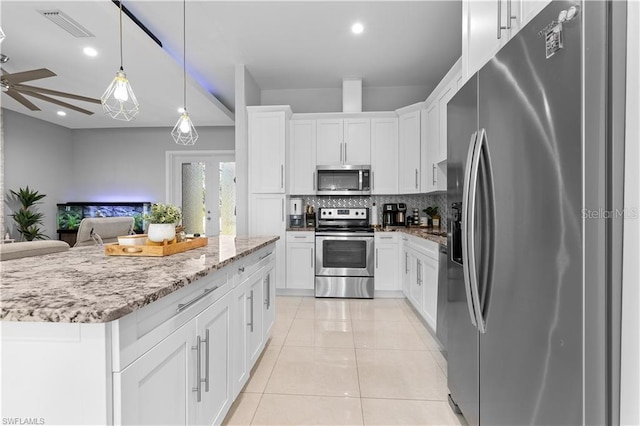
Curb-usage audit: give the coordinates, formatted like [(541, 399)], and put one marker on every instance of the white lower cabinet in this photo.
[(387, 261), (184, 379), (156, 388), (240, 364), (254, 321), (197, 358), (420, 277), (300, 260)]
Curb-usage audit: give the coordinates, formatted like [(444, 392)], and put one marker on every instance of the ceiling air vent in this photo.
[(66, 23)]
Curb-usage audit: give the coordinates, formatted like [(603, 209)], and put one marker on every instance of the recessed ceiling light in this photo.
[(357, 28), (62, 113), (90, 51)]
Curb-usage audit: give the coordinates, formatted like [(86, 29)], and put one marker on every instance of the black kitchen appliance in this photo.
[(389, 214)]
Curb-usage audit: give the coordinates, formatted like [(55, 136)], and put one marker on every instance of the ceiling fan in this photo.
[(12, 85)]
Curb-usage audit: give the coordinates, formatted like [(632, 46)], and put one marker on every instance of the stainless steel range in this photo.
[(344, 253)]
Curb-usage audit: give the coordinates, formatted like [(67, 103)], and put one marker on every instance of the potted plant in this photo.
[(27, 218), (162, 219)]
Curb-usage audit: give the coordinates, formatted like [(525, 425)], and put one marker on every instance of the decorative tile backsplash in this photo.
[(421, 201)]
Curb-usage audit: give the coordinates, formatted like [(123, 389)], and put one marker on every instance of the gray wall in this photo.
[(129, 164), (330, 100), (92, 165), (38, 154)]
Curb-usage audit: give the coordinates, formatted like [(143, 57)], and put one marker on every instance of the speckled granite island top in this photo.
[(84, 285)]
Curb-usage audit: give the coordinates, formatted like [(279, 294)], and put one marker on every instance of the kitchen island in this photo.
[(95, 339)]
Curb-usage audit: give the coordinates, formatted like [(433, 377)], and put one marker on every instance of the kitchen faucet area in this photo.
[(369, 213)]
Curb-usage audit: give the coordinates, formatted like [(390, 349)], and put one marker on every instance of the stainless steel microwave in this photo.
[(343, 180)]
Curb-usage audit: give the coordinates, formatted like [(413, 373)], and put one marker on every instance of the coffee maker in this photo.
[(296, 215), (401, 215), (389, 214)]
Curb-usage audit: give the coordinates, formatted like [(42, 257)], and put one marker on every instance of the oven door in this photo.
[(344, 255)]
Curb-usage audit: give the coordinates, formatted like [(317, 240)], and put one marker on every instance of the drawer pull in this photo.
[(183, 306), (266, 255), (241, 269)]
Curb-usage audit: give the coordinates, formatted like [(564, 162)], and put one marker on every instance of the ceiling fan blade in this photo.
[(19, 77), (24, 101), (33, 89), (57, 102)]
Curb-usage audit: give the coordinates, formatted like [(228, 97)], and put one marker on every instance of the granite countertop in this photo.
[(426, 233), (84, 285)]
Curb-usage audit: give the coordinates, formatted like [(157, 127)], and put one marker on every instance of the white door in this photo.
[(240, 359), (409, 142), (300, 265), (269, 298), (431, 146), (202, 183), (430, 291)]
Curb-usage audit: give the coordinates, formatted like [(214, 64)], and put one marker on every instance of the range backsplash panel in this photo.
[(421, 201)]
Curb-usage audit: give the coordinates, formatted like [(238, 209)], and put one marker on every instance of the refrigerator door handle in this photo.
[(464, 224), (480, 303)]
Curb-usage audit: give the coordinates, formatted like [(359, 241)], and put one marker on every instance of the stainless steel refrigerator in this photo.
[(533, 293)]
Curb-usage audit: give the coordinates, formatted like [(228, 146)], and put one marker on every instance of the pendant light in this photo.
[(119, 101), (184, 133)]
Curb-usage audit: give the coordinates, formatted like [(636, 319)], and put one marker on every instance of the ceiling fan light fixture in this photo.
[(119, 101), (184, 132)]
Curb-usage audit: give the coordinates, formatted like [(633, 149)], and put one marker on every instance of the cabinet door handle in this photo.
[(376, 258), (406, 262), (385, 238), (373, 181), (416, 178), (206, 360), (282, 209), (265, 256), (341, 153), (311, 256), (251, 311), (500, 26), (433, 174), (183, 306), (345, 153), (281, 176), (198, 388), (314, 181), (510, 17), (299, 236), (241, 269), (418, 277), (267, 299)]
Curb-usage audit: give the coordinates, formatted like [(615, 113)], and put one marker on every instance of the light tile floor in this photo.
[(346, 362)]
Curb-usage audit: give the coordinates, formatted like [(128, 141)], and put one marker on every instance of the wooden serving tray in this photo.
[(155, 249)]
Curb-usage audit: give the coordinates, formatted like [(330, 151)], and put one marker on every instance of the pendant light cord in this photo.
[(121, 61), (184, 53)]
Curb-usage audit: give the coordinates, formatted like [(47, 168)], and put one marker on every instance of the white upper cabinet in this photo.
[(431, 143), (409, 149), (302, 164), (444, 98), (384, 155), (357, 141), (343, 141), (268, 132), (329, 142), (487, 25)]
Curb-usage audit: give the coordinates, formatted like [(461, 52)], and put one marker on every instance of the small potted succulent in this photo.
[(162, 220)]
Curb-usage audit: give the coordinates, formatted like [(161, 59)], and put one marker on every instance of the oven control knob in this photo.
[(357, 213)]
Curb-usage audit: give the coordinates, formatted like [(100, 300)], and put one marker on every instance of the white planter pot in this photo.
[(158, 232)]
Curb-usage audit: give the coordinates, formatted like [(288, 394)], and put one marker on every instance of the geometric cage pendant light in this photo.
[(184, 132), (119, 101)]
